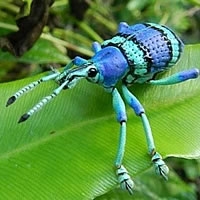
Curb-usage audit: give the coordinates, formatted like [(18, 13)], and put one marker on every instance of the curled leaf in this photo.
[(30, 29)]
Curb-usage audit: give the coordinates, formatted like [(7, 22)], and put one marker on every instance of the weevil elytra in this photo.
[(134, 55)]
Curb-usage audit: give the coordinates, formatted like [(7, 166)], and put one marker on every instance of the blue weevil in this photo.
[(134, 55)]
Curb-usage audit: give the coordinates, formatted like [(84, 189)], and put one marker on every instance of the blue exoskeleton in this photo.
[(134, 55)]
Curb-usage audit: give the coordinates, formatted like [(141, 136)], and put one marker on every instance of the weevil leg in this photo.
[(177, 78), (159, 165), (30, 86), (122, 26), (69, 65), (124, 179), (96, 47), (78, 61)]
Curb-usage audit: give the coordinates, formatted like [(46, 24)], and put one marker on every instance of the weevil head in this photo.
[(108, 67)]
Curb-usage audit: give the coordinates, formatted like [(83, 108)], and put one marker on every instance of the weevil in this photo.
[(136, 54)]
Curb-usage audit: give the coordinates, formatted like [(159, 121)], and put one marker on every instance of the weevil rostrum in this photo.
[(136, 54)]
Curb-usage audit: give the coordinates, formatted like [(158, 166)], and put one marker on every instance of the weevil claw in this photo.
[(126, 183), (161, 168)]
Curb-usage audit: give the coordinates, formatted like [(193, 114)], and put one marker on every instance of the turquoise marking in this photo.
[(115, 40), (134, 55)]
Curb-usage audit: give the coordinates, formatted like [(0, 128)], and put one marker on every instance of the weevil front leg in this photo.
[(96, 47), (78, 61), (124, 179), (159, 165)]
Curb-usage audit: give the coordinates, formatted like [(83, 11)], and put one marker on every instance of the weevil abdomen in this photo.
[(148, 48)]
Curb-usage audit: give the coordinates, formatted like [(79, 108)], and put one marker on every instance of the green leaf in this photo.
[(148, 187), (67, 150)]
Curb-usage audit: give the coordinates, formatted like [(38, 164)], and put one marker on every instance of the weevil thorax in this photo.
[(111, 66)]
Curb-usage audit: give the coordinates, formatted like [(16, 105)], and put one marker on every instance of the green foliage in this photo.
[(66, 151)]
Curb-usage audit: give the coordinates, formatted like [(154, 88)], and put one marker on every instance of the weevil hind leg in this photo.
[(124, 179), (177, 77), (161, 168)]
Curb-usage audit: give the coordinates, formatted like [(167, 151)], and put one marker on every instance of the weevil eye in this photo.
[(92, 72), (93, 75)]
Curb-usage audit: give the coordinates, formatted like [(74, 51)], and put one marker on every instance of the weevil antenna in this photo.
[(29, 87), (70, 81), (43, 102)]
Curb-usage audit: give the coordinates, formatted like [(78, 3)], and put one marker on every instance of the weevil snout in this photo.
[(71, 77)]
